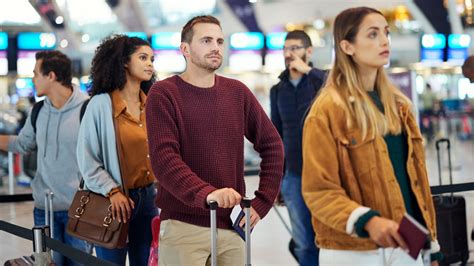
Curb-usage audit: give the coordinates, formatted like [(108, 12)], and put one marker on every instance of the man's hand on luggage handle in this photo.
[(225, 197), (254, 219)]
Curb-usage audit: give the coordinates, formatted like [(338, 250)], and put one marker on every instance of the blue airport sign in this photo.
[(433, 41), (166, 41), (458, 41), (137, 34), (36, 41), (276, 40), (246, 41), (3, 40)]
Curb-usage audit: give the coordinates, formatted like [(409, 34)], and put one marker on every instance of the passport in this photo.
[(414, 234), (236, 216)]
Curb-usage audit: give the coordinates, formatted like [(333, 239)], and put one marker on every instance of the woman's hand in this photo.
[(121, 207), (384, 232)]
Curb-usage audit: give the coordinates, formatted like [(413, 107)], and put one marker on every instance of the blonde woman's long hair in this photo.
[(344, 77)]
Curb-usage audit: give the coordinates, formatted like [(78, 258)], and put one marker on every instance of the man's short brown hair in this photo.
[(187, 31), (57, 62)]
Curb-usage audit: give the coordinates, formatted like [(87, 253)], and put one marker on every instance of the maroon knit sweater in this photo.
[(196, 142)]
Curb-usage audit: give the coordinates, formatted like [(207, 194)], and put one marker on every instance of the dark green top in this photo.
[(397, 146)]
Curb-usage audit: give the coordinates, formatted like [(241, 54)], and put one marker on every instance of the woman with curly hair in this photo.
[(121, 73)]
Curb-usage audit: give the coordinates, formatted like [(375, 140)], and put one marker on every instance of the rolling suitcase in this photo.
[(213, 207), (40, 257), (23, 261), (451, 222)]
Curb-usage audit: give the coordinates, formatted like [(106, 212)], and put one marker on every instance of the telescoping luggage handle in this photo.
[(247, 203), (48, 211), (213, 207), (448, 147)]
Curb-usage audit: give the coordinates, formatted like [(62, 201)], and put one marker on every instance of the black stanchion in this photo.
[(68, 251)]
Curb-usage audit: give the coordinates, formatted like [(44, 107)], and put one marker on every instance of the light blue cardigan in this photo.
[(97, 155)]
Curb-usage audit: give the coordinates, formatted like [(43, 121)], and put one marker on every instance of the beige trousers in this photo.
[(186, 244)]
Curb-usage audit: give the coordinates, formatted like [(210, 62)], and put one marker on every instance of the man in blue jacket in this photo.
[(289, 100)]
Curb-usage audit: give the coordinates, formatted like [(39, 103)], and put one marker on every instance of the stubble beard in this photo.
[(203, 64)]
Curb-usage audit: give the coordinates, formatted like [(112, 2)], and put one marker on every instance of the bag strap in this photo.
[(37, 107), (119, 148), (83, 109), (117, 143), (34, 113)]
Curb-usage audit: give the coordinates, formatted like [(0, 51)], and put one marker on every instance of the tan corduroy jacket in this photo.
[(342, 172)]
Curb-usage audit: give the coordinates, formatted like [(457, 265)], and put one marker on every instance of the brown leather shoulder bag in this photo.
[(90, 214)]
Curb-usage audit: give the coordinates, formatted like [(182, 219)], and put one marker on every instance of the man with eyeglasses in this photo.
[(289, 99)]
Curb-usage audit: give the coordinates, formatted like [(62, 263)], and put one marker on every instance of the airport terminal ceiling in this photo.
[(79, 25), (91, 20)]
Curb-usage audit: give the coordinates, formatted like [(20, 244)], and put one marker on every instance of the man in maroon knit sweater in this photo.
[(196, 124)]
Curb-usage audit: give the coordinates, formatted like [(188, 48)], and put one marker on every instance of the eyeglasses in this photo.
[(293, 48)]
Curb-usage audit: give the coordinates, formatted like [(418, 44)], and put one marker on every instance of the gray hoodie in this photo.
[(56, 139)]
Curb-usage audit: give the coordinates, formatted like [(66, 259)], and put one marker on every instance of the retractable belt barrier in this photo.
[(16, 197), (29, 196), (461, 187), (68, 251)]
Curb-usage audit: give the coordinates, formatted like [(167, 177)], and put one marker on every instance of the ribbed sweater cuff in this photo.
[(201, 196), (261, 207)]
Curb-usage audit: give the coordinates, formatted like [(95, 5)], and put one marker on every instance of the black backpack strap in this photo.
[(83, 109), (34, 113)]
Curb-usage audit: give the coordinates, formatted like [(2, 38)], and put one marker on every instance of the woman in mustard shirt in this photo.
[(122, 69)]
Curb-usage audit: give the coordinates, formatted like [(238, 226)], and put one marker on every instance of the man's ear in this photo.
[(309, 52), (52, 76), (347, 47), (184, 47)]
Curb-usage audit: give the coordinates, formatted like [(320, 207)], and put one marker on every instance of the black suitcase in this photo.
[(451, 222)]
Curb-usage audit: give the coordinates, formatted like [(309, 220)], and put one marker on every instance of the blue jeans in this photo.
[(139, 232), (300, 217), (60, 225)]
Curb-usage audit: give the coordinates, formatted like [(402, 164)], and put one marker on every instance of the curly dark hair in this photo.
[(108, 64)]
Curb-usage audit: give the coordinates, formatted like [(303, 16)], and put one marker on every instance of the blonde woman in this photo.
[(363, 158)]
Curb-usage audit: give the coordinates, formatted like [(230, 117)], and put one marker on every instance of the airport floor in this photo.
[(270, 238)]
